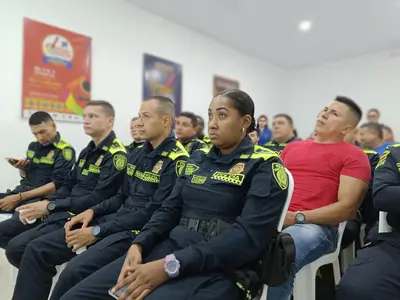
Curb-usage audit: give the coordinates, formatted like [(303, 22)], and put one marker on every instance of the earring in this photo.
[(242, 129)]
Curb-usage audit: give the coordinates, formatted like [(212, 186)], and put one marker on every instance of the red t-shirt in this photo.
[(316, 169)]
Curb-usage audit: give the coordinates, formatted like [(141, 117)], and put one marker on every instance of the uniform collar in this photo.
[(53, 142), (245, 147), (187, 141), (164, 146), (292, 139), (104, 144)]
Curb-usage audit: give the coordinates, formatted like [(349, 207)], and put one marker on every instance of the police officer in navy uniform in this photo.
[(47, 163), (137, 140), (282, 133), (221, 214), (185, 129), (367, 213), (96, 176), (151, 173), (374, 275)]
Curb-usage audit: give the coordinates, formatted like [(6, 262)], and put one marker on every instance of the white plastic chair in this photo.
[(304, 284), (383, 224), (347, 255), (4, 217), (282, 220)]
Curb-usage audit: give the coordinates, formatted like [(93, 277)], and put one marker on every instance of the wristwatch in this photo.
[(172, 266), (51, 206), (300, 218), (96, 231)]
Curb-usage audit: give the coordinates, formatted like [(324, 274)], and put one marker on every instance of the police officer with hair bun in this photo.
[(220, 216)]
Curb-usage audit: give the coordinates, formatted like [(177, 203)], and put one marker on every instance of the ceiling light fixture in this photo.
[(305, 26)]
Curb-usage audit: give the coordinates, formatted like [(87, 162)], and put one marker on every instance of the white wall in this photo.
[(372, 81), (121, 33)]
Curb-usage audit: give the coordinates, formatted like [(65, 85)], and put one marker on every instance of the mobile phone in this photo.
[(118, 293), (12, 161)]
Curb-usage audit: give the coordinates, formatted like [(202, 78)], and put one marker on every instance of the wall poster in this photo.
[(56, 71), (162, 77)]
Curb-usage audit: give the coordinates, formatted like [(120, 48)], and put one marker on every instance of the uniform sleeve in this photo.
[(108, 184), (357, 165), (69, 182), (63, 164), (386, 189), (112, 204), (368, 211), (249, 235), (162, 221), (138, 218)]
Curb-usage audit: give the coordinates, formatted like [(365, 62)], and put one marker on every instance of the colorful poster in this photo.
[(56, 71), (222, 84), (162, 77)]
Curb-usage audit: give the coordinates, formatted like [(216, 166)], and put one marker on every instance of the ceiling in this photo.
[(267, 29)]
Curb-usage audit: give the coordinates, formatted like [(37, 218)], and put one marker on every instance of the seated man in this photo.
[(282, 133), (96, 176), (48, 162), (374, 275), (371, 137), (186, 129), (254, 136), (331, 178), (367, 212), (137, 140), (151, 174)]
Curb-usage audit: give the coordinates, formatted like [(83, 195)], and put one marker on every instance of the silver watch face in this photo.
[(300, 218), (172, 266)]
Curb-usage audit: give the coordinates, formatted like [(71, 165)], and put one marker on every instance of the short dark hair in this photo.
[(375, 127), (375, 110), (191, 116), (40, 117), (107, 107), (286, 116), (354, 108), (242, 102), (165, 104)]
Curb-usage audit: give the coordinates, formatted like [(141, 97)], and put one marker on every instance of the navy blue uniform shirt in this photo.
[(150, 178), (193, 144), (276, 147), (132, 146), (49, 163), (96, 176), (386, 187), (247, 188)]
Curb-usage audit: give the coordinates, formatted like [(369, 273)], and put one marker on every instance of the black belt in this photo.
[(201, 226)]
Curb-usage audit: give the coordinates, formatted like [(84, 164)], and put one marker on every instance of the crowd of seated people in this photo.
[(176, 213)]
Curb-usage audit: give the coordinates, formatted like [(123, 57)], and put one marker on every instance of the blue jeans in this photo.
[(311, 241)]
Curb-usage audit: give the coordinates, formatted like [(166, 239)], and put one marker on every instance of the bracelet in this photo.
[(20, 196)]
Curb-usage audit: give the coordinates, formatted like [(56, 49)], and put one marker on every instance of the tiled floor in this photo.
[(6, 286)]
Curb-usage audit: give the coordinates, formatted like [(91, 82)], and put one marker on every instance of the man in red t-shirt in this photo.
[(330, 180)]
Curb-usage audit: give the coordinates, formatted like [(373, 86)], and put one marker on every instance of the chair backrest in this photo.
[(289, 197), (383, 224)]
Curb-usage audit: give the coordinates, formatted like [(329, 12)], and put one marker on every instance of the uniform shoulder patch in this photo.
[(383, 158), (280, 175), (67, 153), (179, 166), (261, 152), (178, 151), (120, 161)]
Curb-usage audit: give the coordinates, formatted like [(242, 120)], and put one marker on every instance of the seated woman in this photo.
[(221, 215)]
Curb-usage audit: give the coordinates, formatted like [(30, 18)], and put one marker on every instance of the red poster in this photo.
[(56, 71)]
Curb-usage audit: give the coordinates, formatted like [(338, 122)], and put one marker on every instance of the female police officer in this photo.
[(221, 215)]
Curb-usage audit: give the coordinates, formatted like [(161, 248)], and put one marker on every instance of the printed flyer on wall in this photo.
[(56, 71)]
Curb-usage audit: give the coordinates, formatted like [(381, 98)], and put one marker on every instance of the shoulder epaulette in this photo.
[(261, 152), (116, 146), (62, 144), (205, 149), (178, 151), (367, 151)]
